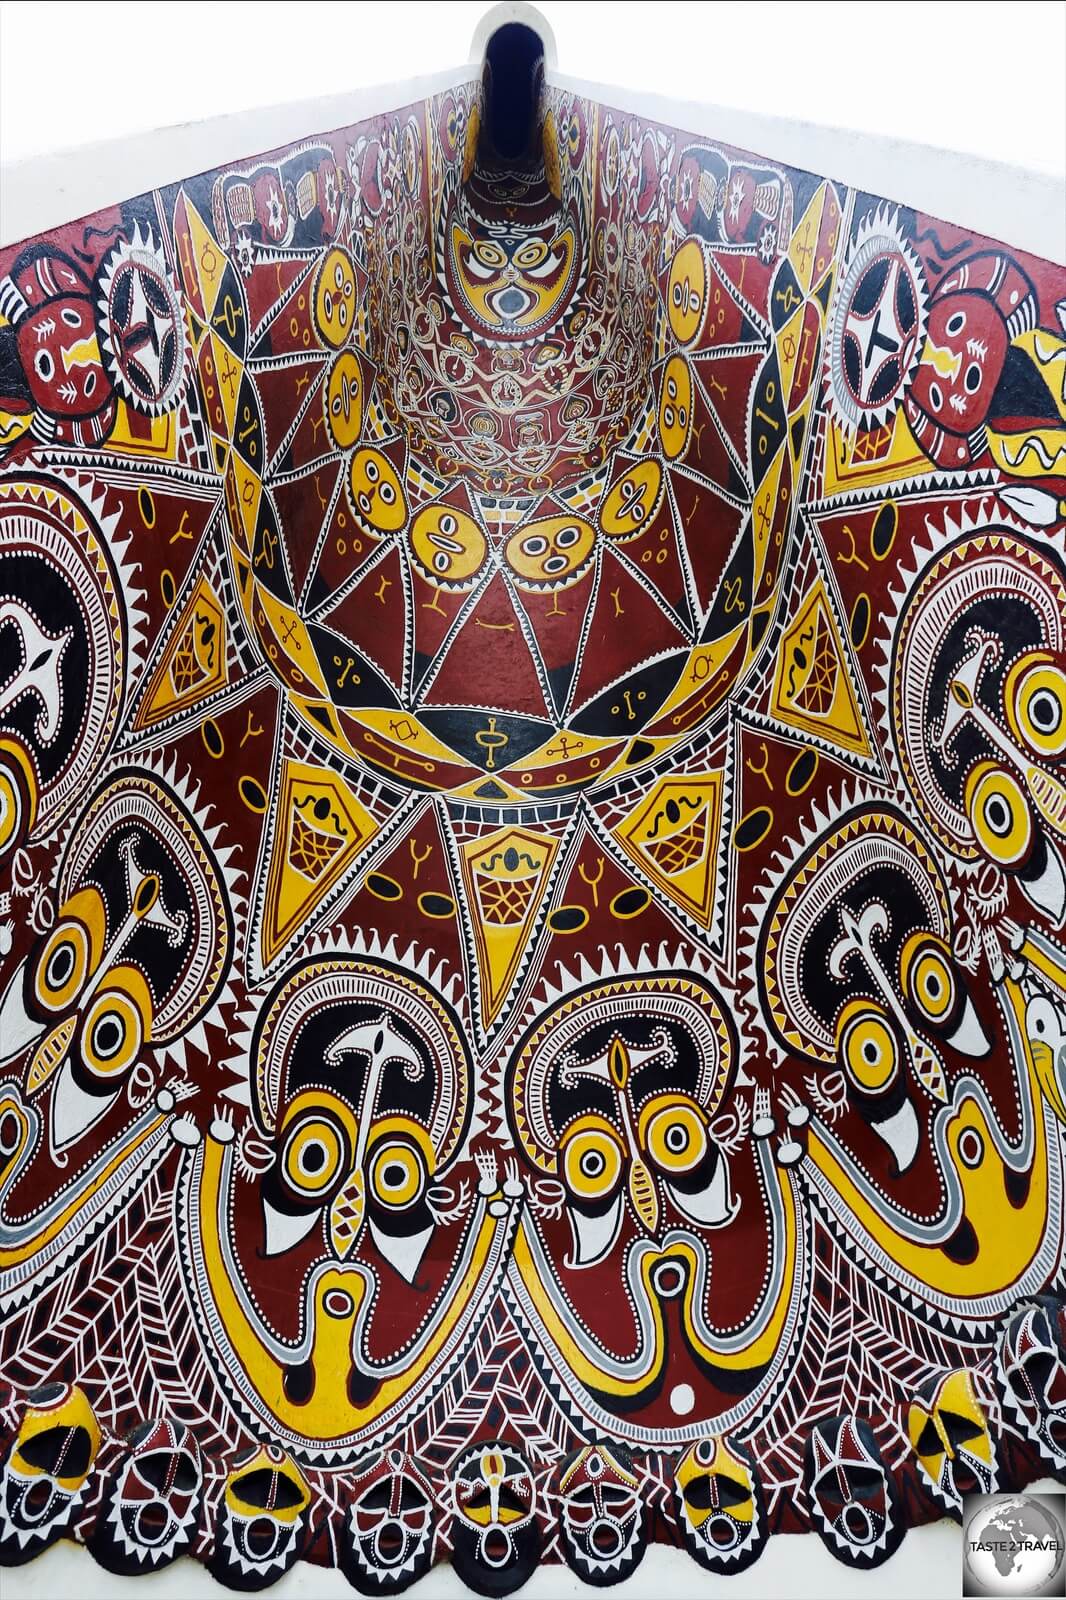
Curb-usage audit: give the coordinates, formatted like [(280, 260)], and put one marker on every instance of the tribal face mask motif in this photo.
[(532, 859)]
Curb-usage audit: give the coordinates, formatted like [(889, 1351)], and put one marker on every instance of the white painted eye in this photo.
[(1042, 1022)]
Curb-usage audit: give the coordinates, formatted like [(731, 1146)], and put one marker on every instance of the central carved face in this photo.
[(621, 1108), (362, 1092), (511, 285)]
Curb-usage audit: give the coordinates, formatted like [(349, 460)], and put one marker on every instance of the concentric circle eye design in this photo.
[(63, 966), (318, 1137), (312, 1157), (1035, 697), (928, 976), (999, 813), (591, 1159), (112, 1035), (401, 1162), (113, 1030), (531, 254), (490, 254), (396, 1175), (674, 1136), (867, 1046)]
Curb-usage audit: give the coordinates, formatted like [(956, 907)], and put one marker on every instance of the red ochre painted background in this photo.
[(532, 828)]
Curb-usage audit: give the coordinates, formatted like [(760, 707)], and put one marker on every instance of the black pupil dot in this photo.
[(62, 963), (1043, 712), (108, 1036)]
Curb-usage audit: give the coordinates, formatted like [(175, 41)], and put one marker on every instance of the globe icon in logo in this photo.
[(1013, 1545)]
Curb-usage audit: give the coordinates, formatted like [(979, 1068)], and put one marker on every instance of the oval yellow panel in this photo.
[(551, 552), (344, 400), (687, 291), (377, 496), (334, 302), (632, 502), (675, 408), (448, 546)]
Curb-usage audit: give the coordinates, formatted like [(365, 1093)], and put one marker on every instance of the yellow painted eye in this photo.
[(448, 545), (531, 254), (63, 966), (687, 291), (344, 400), (999, 814), (115, 1025), (866, 1045), (397, 1173), (489, 255), (673, 1133), (312, 1156), (929, 977), (1035, 699), (592, 1158), (18, 794), (631, 503)]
